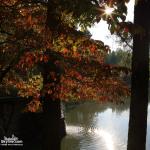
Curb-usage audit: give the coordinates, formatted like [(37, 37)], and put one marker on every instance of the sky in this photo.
[(100, 31)]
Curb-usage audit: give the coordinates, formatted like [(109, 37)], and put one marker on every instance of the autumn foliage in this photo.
[(33, 44)]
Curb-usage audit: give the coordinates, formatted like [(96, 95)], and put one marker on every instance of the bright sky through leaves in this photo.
[(100, 31)]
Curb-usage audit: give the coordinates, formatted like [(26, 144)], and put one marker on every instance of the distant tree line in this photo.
[(119, 57)]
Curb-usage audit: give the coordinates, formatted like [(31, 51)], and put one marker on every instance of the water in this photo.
[(92, 126)]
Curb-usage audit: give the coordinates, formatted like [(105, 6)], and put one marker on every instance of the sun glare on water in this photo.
[(106, 137)]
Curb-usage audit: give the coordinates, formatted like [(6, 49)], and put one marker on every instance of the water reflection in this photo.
[(74, 130), (107, 137), (92, 126), (99, 135)]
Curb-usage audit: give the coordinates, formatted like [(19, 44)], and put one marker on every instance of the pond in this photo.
[(94, 126)]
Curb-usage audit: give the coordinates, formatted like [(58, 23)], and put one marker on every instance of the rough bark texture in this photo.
[(140, 78)]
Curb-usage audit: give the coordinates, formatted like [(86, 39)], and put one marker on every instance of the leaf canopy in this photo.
[(35, 33)]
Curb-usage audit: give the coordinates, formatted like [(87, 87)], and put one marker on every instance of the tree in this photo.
[(56, 61), (63, 40), (140, 78), (119, 57)]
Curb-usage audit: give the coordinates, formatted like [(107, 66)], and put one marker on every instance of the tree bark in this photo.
[(140, 78), (54, 126), (52, 117), (53, 123)]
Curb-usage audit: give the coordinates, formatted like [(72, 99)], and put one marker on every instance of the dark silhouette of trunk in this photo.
[(52, 120), (53, 123), (140, 78), (54, 126)]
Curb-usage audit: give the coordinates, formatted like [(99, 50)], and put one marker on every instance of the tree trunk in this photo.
[(140, 78), (54, 126), (53, 123), (51, 129)]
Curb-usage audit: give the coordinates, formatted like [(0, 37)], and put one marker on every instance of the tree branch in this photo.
[(124, 40), (5, 32)]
